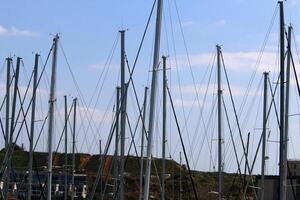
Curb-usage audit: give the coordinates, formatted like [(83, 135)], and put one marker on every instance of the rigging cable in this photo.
[(235, 114), (182, 144)]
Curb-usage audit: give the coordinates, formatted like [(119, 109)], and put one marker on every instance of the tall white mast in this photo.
[(123, 116), (52, 99), (73, 148), (153, 96), (264, 132), (35, 73), (164, 140), (142, 143), (282, 160), (220, 140)]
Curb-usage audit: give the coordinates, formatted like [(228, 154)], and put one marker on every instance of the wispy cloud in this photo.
[(102, 66), (98, 116), (190, 90), (298, 38), (188, 23), (23, 90), (187, 103), (294, 2), (220, 23), (13, 31), (240, 61)]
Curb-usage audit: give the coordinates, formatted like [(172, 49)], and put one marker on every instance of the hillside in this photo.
[(205, 182)]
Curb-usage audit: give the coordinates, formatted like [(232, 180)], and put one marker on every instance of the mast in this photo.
[(245, 171), (153, 96), (8, 60), (116, 166), (164, 129), (101, 160), (52, 99), (12, 120), (66, 149), (35, 76), (73, 150), (180, 177), (100, 147), (263, 156), (287, 94), (123, 116), (282, 160), (142, 142), (220, 167)]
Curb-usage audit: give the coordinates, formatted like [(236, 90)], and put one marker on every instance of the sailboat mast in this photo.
[(164, 140), (73, 149), (12, 119), (8, 60), (287, 93), (116, 166), (153, 96), (264, 132), (282, 165), (35, 73), (142, 142), (51, 115), (180, 176), (220, 167), (66, 149), (101, 160), (123, 116)]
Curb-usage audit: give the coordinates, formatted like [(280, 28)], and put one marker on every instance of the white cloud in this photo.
[(102, 66), (22, 90), (13, 31), (98, 116), (294, 2), (241, 61), (297, 38), (220, 23), (187, 103), (188, 23), (189, 90)]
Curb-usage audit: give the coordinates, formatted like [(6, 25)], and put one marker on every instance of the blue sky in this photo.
[(88, 30)]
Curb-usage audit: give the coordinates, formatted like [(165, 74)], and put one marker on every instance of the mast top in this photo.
[(123, 30)]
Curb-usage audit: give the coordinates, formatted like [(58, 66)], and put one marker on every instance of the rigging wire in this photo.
[(10, 151), (182, 144)]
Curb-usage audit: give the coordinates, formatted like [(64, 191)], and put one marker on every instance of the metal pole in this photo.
[(101, 160), (180, 177), (100, 148), (153, 96), (8, 60), (220, 140), (164, 140), (173, 179), (116, 167), (142, 142), (123, 116), (282, 165), (66, 149), (245, 171), (52, 99), (73, 150), (287, 94), (35, 76), (12, 120), (263, 156)]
